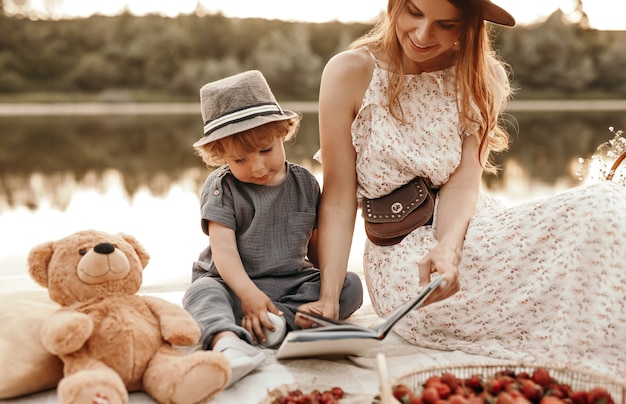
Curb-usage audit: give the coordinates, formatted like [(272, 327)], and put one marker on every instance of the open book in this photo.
[(336, 337)]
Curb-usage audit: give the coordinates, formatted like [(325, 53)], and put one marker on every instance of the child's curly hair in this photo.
[(248, 141)]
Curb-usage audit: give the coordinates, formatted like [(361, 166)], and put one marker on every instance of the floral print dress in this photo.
[(541, 281)]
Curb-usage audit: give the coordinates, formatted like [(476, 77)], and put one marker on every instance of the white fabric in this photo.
[(542, 281), (357, 376)]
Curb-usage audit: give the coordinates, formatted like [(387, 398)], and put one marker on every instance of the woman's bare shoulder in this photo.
[(352, 68), (353, 61)]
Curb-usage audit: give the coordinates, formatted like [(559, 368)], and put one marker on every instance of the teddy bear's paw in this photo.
[(198, 377), (88, 387), (205, 379), (66, 332)]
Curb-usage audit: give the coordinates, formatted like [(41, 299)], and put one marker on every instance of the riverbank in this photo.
[(100, 108)]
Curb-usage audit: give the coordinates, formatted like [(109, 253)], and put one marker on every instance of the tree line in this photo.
[(121, 56)]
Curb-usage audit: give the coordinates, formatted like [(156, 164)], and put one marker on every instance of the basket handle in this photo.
[(619, 160)]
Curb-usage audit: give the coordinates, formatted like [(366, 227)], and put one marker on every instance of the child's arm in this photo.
[(254, 303), (312, 253)]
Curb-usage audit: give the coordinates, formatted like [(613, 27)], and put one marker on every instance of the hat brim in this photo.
[(237, 127), (497, 15)]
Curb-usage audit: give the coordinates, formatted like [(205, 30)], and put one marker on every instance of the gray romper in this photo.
[(273, 225)]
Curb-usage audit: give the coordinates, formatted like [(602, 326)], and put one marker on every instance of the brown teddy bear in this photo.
[(111, 340)]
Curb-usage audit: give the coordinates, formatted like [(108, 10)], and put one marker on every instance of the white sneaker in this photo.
[(243, 357), (274, 338)]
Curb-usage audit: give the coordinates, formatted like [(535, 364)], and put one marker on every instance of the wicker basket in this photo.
[(578, 379), (615, 166)]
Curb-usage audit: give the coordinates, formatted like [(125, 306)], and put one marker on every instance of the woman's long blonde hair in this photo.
[(483, 92)]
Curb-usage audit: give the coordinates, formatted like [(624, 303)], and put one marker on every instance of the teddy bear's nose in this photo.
[(104, 248)]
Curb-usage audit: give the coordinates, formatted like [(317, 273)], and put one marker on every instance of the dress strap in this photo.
[(372, 56)]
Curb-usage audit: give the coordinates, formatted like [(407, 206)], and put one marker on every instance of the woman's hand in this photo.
[(444, 261), (325, 309), (452, 221)]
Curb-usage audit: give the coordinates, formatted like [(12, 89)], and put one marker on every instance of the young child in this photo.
[(260, 213)]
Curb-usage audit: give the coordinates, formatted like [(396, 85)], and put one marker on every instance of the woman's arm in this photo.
[(457, 205), (343, 84), (313, 249)]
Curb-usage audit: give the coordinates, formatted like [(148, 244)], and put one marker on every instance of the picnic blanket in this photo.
[(357, 376)]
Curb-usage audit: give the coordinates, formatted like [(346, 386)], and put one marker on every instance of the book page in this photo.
[(341, 345), (337, 337)]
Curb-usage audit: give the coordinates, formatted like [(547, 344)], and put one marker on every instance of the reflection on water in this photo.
[(138, 174)]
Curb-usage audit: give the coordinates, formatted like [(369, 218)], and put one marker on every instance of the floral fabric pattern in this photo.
[(541, 281)]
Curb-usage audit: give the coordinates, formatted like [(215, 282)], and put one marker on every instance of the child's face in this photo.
[(262, 167)]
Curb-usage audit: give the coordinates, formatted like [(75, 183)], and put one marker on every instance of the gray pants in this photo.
[(216, 308)]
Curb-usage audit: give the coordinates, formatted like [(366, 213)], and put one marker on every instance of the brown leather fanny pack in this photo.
[(390, 218)]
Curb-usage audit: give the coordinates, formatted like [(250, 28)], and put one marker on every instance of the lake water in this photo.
[(135, 172)]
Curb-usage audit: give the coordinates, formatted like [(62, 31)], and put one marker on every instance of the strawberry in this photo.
[(457, 399), (542, 377), (443, 390), (402, 392), (550, 400), (555, 390), (505, 398), (451, 380), (475, 382), (432, 380), (532, 391), (579, 397), (494, 386), (599, 395), (430, 395), (415, 399)]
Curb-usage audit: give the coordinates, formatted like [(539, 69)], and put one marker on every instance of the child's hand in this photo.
[(255, 307)]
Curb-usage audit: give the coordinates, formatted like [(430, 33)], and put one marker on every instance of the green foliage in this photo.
[(176, 56)]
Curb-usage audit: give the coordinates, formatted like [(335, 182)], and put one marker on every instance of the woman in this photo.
[(421, 95)]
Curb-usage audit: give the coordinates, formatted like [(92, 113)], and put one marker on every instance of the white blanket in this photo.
[(357, 376)]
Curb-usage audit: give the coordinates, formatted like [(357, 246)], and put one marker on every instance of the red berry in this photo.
[(550, 400), (505, 398), (400, 391), (415, 400), (542, 377), (432, 380), (599, 395), (337, 392), (457, 399), (328, 398), (532, 390), (579, 397), (443, 390), (450, 380), (475, 382), (430, 395)]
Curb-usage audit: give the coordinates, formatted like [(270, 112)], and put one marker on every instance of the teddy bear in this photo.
[(111, 340)]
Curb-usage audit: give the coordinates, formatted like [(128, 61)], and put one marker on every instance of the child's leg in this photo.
[(351, 297), (243, 357), (212, 306), (305, 287)]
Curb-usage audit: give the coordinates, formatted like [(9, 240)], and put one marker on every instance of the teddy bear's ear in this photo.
[(38, 260), (142, 253)]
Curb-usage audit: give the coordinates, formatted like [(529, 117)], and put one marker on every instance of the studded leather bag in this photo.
[(390, 218)]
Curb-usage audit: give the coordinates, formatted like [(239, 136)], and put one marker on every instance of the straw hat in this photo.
[(238, 103), (496, 14)]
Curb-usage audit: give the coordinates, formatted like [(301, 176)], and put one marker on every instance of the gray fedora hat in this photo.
[(238, 103)]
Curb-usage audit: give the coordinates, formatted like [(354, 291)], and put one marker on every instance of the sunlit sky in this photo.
[(602, 13)]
